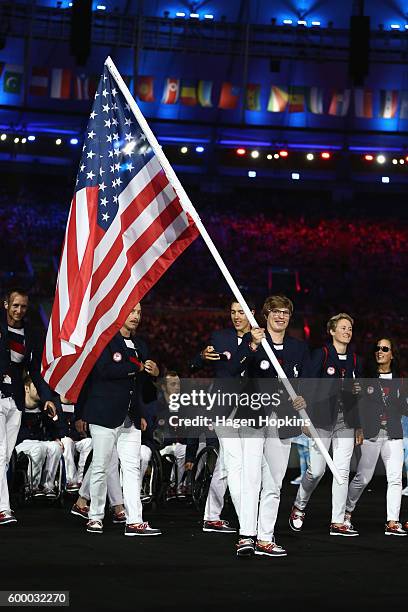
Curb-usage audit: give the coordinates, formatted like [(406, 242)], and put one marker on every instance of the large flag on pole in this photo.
[(125, 228)]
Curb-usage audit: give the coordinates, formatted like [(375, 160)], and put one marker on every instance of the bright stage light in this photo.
[(381, 159), (255, 154), (240, 151)]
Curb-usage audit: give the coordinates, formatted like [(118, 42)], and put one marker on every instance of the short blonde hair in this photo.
[(276, 301), (332, 322)]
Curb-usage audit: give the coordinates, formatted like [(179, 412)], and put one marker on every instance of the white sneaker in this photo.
[(405, 491), (296, 481)]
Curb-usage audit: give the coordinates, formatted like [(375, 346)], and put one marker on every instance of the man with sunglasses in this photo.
[(266, 448), (335, 415)]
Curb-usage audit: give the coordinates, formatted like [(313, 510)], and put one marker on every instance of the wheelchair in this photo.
[(201, 475), (160, 483)]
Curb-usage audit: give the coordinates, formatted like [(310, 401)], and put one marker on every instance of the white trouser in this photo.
[(145, 456), (392, 454), (179, 453), (45, 458), (10, 419), (115, 495), (83, 448), (265, 460), (127, 441), (229, 465), (342, 439)]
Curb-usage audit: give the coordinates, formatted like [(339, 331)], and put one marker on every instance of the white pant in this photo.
[(114, 489), (127, 443), (392, 454), (179, 453), (45, 458), (265, 460), (145, 456), (10, 419), (83, 448), (228, 472), (342, 439)]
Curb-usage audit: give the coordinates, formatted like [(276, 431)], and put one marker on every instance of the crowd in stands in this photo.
[(347, 259)]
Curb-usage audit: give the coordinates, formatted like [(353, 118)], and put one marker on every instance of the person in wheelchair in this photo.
[(39, 439), (75, 443)]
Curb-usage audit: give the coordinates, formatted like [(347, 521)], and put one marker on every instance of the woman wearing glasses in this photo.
[(381, 406)]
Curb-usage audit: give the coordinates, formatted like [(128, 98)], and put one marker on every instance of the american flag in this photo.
[(125, 228)]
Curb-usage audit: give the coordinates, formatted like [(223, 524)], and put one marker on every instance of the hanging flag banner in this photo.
[(204, 91), (315, 100), (229, 96), (39, 81), (144, 88), (188, 94), (296, 99), (388, 103), (171, 91), (253, 95), (13, 79), (363, 103), (60, 83), (278, 99), (340, 103), (85, 87)]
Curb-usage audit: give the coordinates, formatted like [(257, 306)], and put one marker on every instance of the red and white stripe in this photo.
[(104, 274), (60, 83), (39, 81)]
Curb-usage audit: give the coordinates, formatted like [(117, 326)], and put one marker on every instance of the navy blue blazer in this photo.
[(335, 384), (224, 341), (115, 388), (30, 364), (295, 361), (382, 397)]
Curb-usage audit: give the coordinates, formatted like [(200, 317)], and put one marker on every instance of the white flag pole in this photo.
[(188, 207)]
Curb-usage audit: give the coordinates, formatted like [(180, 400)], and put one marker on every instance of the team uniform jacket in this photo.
[(37, 425), (382, 402), (14, 372), (335, 386), (295, 361), (115, 387)]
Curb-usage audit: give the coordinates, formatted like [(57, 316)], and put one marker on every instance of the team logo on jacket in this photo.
[(331, 370), (227, 354), (295, 371), (264, 365), (370, 390), (117, 357)]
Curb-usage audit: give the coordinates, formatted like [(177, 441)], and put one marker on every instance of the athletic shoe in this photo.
[(271, 549), (119, 517), (296, 481), (78, 511), (405, 491), (7, 518), (395, 530), (73, 487), (38, 493), (94, 527), (141, 529), (343, 530), (171, 493), (296, 519), (218, 527), (245, 547), (50, 493)]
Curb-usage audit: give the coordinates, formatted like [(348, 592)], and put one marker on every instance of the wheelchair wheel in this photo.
[(152, 486), (201, 475)]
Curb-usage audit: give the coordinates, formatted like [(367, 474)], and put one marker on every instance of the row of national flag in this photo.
[(63, 84)]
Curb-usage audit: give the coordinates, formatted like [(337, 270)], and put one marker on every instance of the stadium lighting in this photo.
[(402, 161), (255, 154), (287, 21), (74, 141), (295, 176), (283, 153), (208, 16), (315, 23), (369, 157), (180, 14), (3, 137), (269, 156), (325, 155), (16, 140), (101, 7), (58, 141), (240, 151), (385, 179), (23, 140), (276, 155), (395, 161), (395, 26), (199, 149), (302, 22), (184, 150), (380, 159), (31, 138), (251, 173), (310, 157), (194, 15)]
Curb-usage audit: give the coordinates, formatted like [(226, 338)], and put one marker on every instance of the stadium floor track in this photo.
[(188, 569)]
